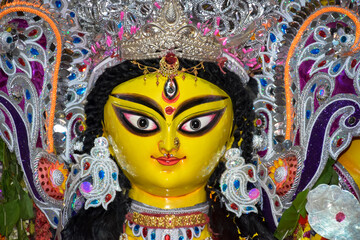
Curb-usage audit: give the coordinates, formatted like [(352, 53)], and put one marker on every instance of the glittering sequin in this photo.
[(272, 37), (58, 4), (236, 184), (315, 51), (33, 51), (101, 174), (263, 82), (76, 40), (337, 67), (81, 91), (8, 64)]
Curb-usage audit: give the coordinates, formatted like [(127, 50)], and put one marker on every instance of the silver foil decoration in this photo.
[(230, 17), (233, 183), (333, 213), (95, 16), (100, 176), (234, 66)]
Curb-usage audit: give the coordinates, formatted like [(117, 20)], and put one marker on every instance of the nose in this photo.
[(169, 144)]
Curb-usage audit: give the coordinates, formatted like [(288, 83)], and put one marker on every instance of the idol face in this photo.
[(168, 136)]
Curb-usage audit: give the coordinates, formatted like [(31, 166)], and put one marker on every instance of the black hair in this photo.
[(96, 223)]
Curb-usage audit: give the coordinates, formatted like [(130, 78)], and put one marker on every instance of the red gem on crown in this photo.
[(170, 58)]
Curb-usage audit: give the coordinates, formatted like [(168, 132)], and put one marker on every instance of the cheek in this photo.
[(212, 162), (122, 144), (204, 152), (134, 159), (133, 151), (202, 155)]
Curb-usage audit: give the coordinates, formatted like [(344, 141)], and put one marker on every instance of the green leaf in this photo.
[(334, 179), (9, 191), (300, 202), (32, 228), (327, 174), (2, 146), (290, 218), (13, 167), (2, 223), (9, 216), (288, 223), (26, 206), (6, 156), (16, 204), (21, 231)]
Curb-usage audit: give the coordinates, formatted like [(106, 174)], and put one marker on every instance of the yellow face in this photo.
[(350, 159), (168, 137)]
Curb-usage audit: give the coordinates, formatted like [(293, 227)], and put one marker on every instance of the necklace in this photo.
[(152, 223), (124, 236)]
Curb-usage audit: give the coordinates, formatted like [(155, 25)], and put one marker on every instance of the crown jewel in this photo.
[(170, 31)]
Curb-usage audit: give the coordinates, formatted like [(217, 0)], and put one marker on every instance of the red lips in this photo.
[(167, 160)]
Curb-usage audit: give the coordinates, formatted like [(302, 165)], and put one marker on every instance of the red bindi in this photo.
[(169, 110)]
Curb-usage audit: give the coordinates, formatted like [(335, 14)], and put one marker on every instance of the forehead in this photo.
[(152, 86)]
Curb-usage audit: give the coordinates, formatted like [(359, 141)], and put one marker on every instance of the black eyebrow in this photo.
[(143, 100), (197, 101)]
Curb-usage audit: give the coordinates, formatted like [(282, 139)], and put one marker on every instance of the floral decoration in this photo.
[(21, 43), (58, 176), (42, 226), (52, 178), (330, 48), (283, 174), (333, 213)]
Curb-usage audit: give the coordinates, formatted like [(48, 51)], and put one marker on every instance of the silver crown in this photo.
[(171, 31)]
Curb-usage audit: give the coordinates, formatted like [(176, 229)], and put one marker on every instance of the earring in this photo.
[(99, 174), (234, 184)]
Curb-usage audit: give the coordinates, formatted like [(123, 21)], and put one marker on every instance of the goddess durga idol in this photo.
[(185, 120)]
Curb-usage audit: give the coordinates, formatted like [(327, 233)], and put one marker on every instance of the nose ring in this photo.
[(176, 142)]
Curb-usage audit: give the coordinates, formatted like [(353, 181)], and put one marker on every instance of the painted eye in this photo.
[(197, 124), (140, 122), (136, 122), (201, 124)]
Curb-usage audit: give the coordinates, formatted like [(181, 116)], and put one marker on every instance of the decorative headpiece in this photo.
[(172, 31), (169, 67)]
